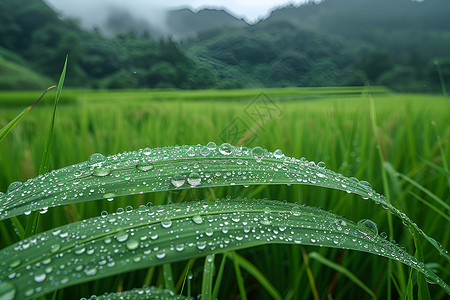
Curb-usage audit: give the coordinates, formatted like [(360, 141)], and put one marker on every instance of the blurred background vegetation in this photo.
[(332, 43)]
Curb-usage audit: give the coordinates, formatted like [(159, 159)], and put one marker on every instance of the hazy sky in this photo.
[(250, 10)]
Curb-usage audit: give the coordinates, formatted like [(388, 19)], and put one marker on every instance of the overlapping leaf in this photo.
[(148, 236), (179, 167)]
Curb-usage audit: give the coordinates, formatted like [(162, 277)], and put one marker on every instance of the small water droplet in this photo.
[(226, 149), (132, 244), (90, 271), (194, 179), (321, 165), (145, 167), (205, 151), (166, 223), (369, 224), (190, 152), (258, 153), (13, 186), (40, 277), (101, 172), (211, 146), (96, 158), (278, 153), (147, 151), (122, 236), (197, 219), (161, 254), (209, 231), (178, 180), (54, 248)]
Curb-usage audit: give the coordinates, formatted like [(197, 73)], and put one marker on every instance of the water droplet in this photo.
[(132, 244), (13, 186), (211, 146), (109, 196), (190, 152), (209, 231), (147, 151), (122, 236), (201, 245), (54, 248), (197, 219), (278, 153), (369, 224), (366, 185), (258, 153), (178, 180), (166, 223), (194, 179), (90, 271), (7, 291), (96, 158), (40, 277), (145, 167), (321, 165), (226, 149), (161, 254), (101, 172), (179, 247), (205, 151), (15, 263)]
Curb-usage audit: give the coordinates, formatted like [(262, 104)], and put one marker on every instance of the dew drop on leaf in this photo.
[(211, 146), (96, 158), (145, 167), (147, 151), (161, 254), (166, 223), (194, 179), (369, 224), (122, 236), (225, 149), (278, 153), (13, 186), (101, 172), (40, 277), (132, 244), (178, 180), (258, 153), (197, 219)]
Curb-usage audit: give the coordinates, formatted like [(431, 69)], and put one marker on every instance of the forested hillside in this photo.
[(337, 42)]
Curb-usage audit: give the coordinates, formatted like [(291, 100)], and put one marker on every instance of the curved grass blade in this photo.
[(149, 236), (344, 271), (8, 127), (180, 167), (208, 275), (141, 294), (257, 274)]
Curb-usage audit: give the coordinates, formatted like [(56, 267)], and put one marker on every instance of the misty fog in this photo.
[(141, 16)]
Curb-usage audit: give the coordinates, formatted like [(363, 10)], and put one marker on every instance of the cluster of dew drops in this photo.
[(145, 160)]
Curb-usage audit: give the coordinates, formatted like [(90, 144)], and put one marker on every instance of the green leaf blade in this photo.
[(171, 168), (122, 242)]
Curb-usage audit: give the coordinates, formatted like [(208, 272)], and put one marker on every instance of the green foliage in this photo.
[(345, 143)]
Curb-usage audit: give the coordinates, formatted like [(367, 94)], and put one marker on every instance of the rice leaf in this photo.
[(148, 236), (7, 128), (257, 274), (208, 275), (180, 167), (344, 271)]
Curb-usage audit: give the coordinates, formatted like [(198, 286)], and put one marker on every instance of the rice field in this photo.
[(405, 158)]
